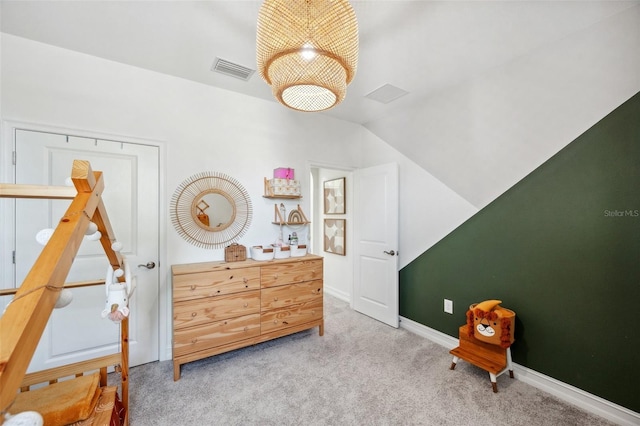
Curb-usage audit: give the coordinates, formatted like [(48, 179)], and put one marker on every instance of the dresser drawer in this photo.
[(290, 294), (288, 273), (214, 334), (215, 283), (201, 311), (279, 319)]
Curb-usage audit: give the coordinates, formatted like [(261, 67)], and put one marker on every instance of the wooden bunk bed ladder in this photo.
[(26, 316)]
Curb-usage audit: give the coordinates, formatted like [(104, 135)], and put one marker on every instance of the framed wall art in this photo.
[(334, 196), (334, 236)]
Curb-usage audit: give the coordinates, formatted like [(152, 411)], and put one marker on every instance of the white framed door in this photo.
[(131, 197), (375, 287)]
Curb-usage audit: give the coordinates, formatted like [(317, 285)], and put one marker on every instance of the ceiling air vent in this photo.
[(234, 70), (386, 94)]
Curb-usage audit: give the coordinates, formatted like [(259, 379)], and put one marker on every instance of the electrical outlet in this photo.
[(448, 306)]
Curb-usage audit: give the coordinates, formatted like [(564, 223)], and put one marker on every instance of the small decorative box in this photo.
[(283, 173), (277, 187), (235, 253)]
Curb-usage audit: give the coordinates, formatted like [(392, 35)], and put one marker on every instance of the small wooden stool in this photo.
[(492, 358)]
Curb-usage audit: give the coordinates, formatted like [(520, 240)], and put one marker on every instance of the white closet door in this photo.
[(131, 177)]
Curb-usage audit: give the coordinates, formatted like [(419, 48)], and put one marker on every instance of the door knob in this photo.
[(390, 253), (149, 265)]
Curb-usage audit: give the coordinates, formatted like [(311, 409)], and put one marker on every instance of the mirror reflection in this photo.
[(214, 211)]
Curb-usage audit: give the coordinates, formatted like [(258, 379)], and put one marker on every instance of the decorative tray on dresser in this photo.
[(222, 306)]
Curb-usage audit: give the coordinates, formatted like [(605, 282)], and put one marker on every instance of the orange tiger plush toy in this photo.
[(491, 323)]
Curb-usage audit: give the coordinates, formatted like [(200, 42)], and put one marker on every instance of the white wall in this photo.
[(202, 128), (338, 271), (199, 128), (482, 136), (428, 209)]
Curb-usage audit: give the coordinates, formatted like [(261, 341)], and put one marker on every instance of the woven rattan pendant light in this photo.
[(307, 51)]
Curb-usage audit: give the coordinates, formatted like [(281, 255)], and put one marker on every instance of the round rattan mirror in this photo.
[(211, 210)]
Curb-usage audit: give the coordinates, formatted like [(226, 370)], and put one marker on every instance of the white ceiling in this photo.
[(422, 47), (418, 46)]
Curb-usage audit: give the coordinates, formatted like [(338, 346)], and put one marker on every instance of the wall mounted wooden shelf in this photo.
[(295, 217), (283, 197)]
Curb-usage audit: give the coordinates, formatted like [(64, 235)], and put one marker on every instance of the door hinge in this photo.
[(14, 257), (13, 158)]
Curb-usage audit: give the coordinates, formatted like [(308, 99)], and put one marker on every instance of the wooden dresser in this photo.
[(222, 306)]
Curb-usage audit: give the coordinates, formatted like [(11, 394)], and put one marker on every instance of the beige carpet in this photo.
[(361, 372)]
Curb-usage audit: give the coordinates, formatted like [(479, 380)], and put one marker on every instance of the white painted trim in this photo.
[(317, 213), (570, 394), (575, 396), (165, 318), (7, 206), (338, 294), (12, 125), (313, 164), (429, 333)]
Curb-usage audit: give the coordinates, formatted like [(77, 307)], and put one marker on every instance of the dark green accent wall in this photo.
[(562, 249)]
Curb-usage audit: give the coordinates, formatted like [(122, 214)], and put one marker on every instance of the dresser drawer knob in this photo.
[(275, 276), (193, 287), (275, 299), (275, 321), (193, 314), (194, 340), (245, 280), (246, 305), (218, 291)]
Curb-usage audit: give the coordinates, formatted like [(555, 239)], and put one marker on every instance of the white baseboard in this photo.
[(337, 294), (584, 400), (167, 354), (429, 333), (575, 396)]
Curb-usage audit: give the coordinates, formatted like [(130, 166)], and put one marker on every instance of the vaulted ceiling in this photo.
[(425, 48)]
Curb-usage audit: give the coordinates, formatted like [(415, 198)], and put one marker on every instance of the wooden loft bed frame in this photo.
[(25, 318)]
